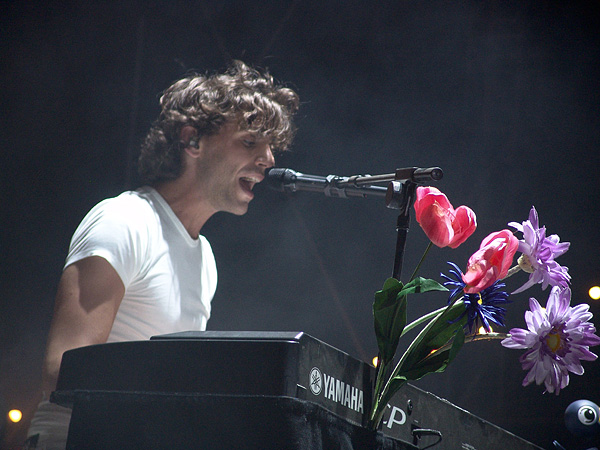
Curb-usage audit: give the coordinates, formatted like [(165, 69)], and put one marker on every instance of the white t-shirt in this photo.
[(169, 278)]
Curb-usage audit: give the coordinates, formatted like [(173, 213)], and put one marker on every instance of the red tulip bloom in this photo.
[(443, 225), (491, 262)]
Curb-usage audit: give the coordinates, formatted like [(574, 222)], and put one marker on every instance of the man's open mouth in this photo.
[(248, 183)]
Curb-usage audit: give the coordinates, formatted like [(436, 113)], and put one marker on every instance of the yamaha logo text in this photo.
[(336, 390)]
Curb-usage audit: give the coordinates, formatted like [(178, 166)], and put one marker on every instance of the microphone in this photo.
[(288, 180)]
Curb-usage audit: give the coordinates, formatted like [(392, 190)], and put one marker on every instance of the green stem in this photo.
[(377, 410), (421, 319), (473, 338), (432, 314), (412, 277), (512, 271), (382, 370)]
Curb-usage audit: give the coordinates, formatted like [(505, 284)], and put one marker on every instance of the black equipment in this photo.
[(290, 370)]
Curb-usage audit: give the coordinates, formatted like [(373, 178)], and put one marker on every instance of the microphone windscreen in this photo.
[(277, 177)]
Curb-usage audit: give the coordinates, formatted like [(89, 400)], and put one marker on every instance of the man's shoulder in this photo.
[(128, 210), (128, 204)]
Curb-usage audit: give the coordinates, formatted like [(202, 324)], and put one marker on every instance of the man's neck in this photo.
[(191, 210)]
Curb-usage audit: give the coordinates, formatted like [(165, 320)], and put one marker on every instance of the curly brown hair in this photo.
[(207, 102)]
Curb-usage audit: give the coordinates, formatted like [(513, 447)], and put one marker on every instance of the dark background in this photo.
[(504, 96)]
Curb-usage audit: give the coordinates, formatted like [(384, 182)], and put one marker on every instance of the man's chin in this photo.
[(239, 210)]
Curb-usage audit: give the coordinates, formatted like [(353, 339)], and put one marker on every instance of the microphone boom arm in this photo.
[(399, 194), (414, 174), (287, 180)]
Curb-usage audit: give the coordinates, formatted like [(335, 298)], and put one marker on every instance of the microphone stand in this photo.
[(400, 195), (407, 197)]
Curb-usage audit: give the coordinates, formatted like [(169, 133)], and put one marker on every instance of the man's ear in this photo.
[(190, 140)]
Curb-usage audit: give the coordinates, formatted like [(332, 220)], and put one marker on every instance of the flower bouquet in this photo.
[(557, 338)]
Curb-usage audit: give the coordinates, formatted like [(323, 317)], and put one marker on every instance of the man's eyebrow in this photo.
[(254, 135)]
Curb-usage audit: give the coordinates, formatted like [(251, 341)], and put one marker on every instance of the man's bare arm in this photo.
[(88, 297)]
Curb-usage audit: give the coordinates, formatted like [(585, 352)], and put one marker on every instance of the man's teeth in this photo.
[(250, 182)]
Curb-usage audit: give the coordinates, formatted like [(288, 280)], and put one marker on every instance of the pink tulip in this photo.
[(443, 225), (491, 262)]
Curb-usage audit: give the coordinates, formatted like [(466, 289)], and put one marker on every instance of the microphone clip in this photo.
[(332, 189)]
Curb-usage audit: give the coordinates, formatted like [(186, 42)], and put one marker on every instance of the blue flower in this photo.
[(481, 308)]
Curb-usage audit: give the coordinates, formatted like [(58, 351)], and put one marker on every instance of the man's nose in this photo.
[(265, 157)]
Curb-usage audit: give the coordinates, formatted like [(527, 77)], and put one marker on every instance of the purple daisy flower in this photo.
[(558, 338), (538, 253), (481, 308)]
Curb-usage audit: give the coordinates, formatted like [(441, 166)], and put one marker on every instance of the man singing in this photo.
[(137, 265)]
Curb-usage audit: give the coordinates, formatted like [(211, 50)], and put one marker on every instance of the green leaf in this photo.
[(389, 314), (434, 336), (436, 361), (424, 357), (389, 311), (420, 285)]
